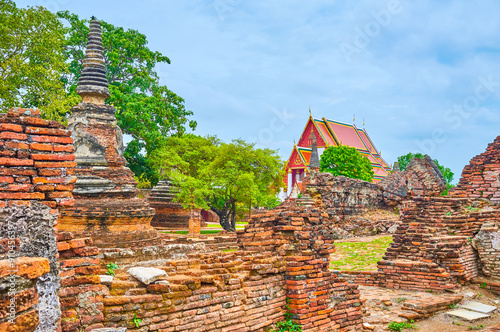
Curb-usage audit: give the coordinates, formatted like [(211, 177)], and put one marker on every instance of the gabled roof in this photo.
[(297, 159)]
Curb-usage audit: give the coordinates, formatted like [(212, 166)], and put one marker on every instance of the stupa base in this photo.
[(111, 223)]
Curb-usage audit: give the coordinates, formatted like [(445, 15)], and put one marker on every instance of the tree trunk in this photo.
[(226, 220)]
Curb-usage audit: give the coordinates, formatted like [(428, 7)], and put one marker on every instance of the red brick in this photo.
[(18, 187), (11, 135), (54, 180), (41, 147), (47, 131), (17, 195), (63, 164), (64, 148), (27, 267), (16, 145), (11, 127), (17, 171), (67, 202), (65, 187), (15, 162), (52, 139), (6, 179), (45, 187), (49, 172), (55, 157), (63, 246)]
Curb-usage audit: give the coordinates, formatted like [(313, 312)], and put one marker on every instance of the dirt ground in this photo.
[(380, 315)]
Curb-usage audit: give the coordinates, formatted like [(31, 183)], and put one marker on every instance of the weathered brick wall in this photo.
[(481, 177), (206, 292), (340, 196), (432, 247), (18, 302), (487, 243), (81, 292), (36, 160), (424, 178), (421, 178), (36, 166), (303, 239)]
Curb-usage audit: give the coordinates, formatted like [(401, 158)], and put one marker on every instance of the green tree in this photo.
[(346, 161), (32, 60), (146, 110), (222, 177), (403, 162)]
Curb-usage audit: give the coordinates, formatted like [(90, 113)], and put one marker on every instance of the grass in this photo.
[(359, 256), (239, 225), (207, 231)]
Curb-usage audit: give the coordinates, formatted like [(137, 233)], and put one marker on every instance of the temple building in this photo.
[(330, 133)]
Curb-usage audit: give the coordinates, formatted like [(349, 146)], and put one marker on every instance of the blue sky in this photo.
[(424, 76)]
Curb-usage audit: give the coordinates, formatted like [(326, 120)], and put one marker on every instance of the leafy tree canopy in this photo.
[(346, 161), (405, 160), (222, 177), (32, 60), (146, 110)]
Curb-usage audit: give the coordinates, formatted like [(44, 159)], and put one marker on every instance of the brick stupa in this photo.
[(169, 214), (107, 207)]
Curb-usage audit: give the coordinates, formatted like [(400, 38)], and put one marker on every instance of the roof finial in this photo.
[(93, 84), (363, 123), (310, 110), (92, 18), (353, 118)]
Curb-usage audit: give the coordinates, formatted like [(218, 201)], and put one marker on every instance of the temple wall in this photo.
[(481, 178)]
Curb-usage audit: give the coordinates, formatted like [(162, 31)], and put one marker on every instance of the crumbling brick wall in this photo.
[(36, 160), (282, 253), (481, 177), (36, 166), (340, 196), (487, 243), (421, 178), (432, 247)]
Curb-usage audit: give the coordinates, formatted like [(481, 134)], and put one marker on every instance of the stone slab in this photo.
[(106, 279), (146, 275), (467, 314), (479, 307)]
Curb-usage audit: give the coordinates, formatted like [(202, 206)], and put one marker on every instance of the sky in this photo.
[(423, 76)]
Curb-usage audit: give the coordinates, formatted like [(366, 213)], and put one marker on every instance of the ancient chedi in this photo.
[(107, 206), (169, 214)]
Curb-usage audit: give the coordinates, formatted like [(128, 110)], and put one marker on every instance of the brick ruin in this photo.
[(69, 209), (282, 253), (61, 282), (107, 204), (481, 178)]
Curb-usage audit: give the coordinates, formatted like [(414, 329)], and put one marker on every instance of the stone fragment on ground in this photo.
[(146, 275), (479, 307), (467, 314)]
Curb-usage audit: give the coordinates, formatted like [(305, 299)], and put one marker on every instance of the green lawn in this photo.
[(359, 256)]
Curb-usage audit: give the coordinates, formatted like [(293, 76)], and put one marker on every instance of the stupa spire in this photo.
[(314, 161), (93, 84)]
